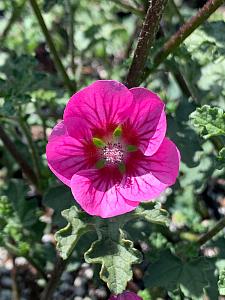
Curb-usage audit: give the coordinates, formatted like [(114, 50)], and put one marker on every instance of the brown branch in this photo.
[(145, 41), (212, 232), (55, 278), (185, 30), (10, 146)]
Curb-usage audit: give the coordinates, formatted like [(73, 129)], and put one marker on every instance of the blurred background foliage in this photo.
[(95, 40)]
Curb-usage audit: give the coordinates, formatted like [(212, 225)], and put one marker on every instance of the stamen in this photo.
[(113, 153)]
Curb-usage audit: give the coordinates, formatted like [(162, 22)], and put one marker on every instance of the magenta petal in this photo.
[(65, 155), (165, 163), (152, 174), (99, 196), (102, 103), (148, 119)]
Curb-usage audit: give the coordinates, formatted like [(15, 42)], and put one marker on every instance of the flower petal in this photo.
[(100, 105), (148, 120), (66, 155), (148, 176), (97, 194)]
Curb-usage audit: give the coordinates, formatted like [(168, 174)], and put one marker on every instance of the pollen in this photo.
[(113, 153)]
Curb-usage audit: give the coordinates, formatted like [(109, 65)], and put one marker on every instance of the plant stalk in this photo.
[(212, 232), (145, 42), (57, 60), (54, 280), (10, 146)]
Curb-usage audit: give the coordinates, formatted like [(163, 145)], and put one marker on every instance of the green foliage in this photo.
[(221, 283), (104, 38), (209, 121), (116, 255), (112, 249), (53, 198), (189, 276), (21, 78), (67, 237), (221, 159)]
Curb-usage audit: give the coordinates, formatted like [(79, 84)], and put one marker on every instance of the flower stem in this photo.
[(10, 146), (185, 30), (51, 45), (212, 232), (145, 41)]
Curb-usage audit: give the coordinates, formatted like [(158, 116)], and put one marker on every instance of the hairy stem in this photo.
[(10, 146), (54, 280), (145, 41), (185, 30), (52, 48), (212, 232), (134, 10)]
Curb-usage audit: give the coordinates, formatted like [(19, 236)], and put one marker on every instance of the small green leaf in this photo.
[(67, 237), (131, 148), (221, 283), (98, 142), (116, 254), (122, 168), (210, 121), (118, 131), (221, 159), (100, 163)]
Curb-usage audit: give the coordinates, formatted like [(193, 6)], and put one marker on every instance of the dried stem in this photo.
[(54, 280), (185, 30), (212, 232), (10, 146), (52, 48), (145, 41)]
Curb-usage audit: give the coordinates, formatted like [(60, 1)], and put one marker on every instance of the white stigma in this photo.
[(113, 153)]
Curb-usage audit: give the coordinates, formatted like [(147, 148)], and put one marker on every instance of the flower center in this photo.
[(113, 153)]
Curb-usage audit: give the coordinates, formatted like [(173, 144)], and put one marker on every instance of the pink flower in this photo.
[(126, 296), (111, 149)]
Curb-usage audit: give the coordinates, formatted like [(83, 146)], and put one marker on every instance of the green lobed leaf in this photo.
[(210, 121), (221, 283), (153, 213), (67, 237), (221, 159), (116, 255), (171, 273)]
